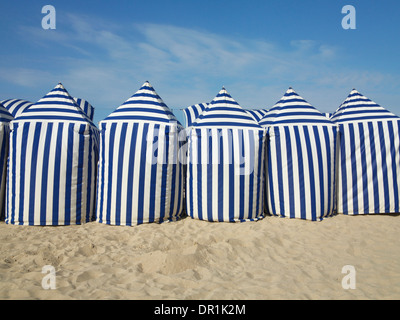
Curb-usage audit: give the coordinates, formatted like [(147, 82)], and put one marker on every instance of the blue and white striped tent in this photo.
[(5, 118), (52, 163), (140, 178), (225, 167), (301, 160), (257, 114), (86, 107), (193, 112), (16, 106), (369, 165)]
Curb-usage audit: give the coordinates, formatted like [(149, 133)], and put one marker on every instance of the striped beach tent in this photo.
[(328, 114), (86, 107), (16, 106), (369, 157), (225, 167), (193, 112), (257, 114), (140, 177), (52, 163), (301, 160), (5, 118)]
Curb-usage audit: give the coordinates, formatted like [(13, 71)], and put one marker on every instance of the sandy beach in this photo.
[(274, 258)]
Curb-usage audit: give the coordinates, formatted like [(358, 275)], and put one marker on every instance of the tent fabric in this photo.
[(301, 160), (140, 177), (193, 112), (225, 168), (5, 118), (369, 157), (86, 107), (52, 163), (257, 114), (16, 106)]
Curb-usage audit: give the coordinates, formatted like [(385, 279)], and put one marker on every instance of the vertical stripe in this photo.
[(102, 181), (118, 185), (12, 169), (364, 175), (68, 176), (384, 168), (45, 166), (167, 171), (199, 178), (331, 169), (208, 150), (302, 190), (280, 184), (320, 176), (81, 149), (142, 173), (233, 181), (374, 167), (25, 137), (270, 172), (221, 170), (110, 167), (311, 173), (130, 196), (394, 148), (250, 161), (57, 174)]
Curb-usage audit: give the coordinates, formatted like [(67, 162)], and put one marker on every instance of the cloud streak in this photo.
[(106, 64)]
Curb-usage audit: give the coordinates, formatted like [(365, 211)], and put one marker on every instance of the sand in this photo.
[(274, 258)]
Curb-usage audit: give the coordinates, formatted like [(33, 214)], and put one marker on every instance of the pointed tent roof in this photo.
[(5, 115), (224, 111), (144, 105), (293, 109), (16, 106), (56, 105), (357, 107)]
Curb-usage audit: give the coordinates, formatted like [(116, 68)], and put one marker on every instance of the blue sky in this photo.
[(103, 51)]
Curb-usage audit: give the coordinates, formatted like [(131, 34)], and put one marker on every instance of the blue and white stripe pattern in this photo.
[(193, 112), (52, 163), (140, 177), (225, 169), (301, 160), (5, 118), (86, 107), (16, 106), (257, 114), (369, 157)]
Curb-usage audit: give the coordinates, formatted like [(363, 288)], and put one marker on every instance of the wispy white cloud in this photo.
[(106, 64)]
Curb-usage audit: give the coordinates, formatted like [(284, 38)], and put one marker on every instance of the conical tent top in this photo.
[(293, 109), (57, 105), (145, 105), (358, 107), (224, 111)]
